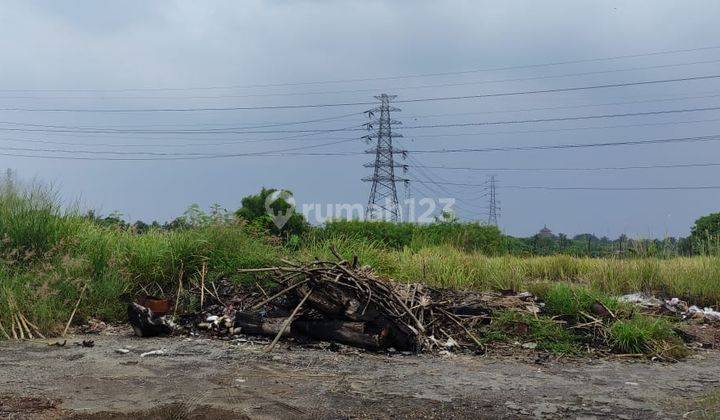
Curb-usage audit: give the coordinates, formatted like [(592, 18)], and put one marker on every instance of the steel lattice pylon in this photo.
[(493, 205), (383, 201)]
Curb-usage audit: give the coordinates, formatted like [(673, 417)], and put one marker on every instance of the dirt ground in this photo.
[(202, 378)]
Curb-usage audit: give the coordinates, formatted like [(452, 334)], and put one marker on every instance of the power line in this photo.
[(268, 124), (93, 129), (356, 128), (551, 108), (178, 155), (374, 89), (553, 130), (544, 187), (578, 169), (286, 152), (556, 90), (366, 79), (581, 117), (303, 137), (152, 159), (346, 104), (574, 145)]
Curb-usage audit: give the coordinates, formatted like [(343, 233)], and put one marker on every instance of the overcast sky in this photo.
[(91, 55)]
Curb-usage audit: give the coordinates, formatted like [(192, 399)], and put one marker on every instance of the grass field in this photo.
[(695, 278), (49, 257)]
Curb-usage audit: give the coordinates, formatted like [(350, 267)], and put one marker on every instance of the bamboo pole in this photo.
[(288, 321), (2, 330), (72, 315)]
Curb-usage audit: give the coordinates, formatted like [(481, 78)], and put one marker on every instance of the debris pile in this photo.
[(343, 303), (674, 307)]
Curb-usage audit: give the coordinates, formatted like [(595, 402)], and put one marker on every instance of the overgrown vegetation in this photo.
[(545, 333), (50, 256)]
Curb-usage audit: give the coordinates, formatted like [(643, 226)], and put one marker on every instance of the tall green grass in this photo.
[(696, 279), (472, 237), (48, 256)]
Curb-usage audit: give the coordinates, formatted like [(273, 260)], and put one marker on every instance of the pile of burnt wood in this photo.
[(338, 301)]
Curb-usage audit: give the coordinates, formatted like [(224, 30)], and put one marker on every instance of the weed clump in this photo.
[(575, 302), (546, 333), (646, 335)]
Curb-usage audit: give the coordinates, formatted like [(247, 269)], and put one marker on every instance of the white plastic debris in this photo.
[(707, 314), (154, 353), (122, 351), (450, 343), (641, 299), (711, 315), (212, 318)]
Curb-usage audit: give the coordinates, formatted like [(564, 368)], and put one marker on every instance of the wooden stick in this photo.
[(12, 328), (288, 321), (72, 315), (213, 294), (258, 270), (27, 328), (278, 294), (22, 333), (34, 327), (179, 290), (469, 334), (2, 330), (262, 290), (217, 295), (202, 285)]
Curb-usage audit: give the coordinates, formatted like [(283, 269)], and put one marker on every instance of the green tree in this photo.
[(254, 211), (705, 234)]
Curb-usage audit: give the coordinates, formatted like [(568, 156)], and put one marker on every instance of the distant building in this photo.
[(545, 233)]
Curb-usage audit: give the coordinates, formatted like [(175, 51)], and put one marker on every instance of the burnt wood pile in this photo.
[(342, 302)]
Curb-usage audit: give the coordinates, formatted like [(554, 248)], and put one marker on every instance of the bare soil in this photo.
[(203, 378)]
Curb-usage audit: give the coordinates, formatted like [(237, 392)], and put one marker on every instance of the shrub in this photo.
[(644, 334), (466, 236), (31, 222)]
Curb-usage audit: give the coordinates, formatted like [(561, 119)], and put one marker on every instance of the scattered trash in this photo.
[(93, 326), (673, 306), (706, 314), (159, 307), (530, 345), (641, 299), (450, 343), (86, 344), (122, 351), (146, 323), (160, 352), (58, 344)]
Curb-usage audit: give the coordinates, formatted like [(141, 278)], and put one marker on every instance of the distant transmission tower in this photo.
[(493, 206), (383, 201)]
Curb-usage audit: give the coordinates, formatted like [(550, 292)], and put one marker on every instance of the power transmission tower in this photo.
[(493, 207), (383, 201)]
